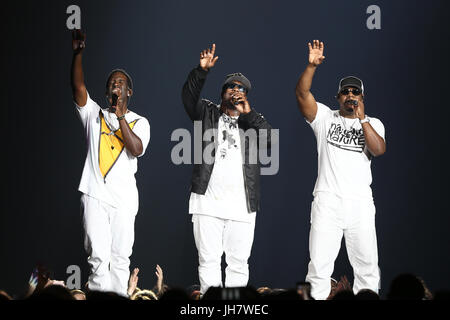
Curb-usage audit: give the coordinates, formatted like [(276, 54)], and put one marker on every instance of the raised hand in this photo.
[(78, 41), (316, 56), (133, 281), (55, 283), (207, 59), (160, 278), (343, 285)]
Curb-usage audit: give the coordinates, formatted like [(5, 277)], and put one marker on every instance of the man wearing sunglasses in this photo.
[(347, 140), (224, 190)]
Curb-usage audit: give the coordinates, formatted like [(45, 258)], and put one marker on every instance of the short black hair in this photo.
[(129, 80)]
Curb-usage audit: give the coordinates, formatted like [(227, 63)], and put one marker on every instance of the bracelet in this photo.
[(121, 117), (366, 119)]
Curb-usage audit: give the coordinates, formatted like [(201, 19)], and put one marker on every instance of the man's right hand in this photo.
[(305, 99), (207, 59), (79, 92), (78, 41), (316, 56)]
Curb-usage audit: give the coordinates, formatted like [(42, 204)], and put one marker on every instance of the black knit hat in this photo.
[(130, 81), (237, 77)]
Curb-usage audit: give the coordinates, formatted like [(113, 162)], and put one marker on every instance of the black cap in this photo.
[(238, 77), (351, 81)]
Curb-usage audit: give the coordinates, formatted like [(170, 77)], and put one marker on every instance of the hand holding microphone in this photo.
[(235, 100), (114, 101), (115, 98), (359, 109), (240, 102)]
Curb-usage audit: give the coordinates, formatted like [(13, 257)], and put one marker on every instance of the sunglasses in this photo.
[(235, 85), (346, 91)]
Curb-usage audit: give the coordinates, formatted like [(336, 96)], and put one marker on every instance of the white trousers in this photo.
[(331, 218), (109, 238), (215, 236)]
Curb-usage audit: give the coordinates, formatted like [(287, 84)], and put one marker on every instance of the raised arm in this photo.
[(195, 81), (306, 102), (77, 78)]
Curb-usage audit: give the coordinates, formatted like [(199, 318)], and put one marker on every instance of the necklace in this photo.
[(345, 126), (230, 121)]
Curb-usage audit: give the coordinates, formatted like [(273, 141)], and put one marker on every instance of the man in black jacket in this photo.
[(225, 182)]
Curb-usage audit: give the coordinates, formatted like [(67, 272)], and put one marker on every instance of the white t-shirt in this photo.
[(109, 169), (225, 196), (343, 158)]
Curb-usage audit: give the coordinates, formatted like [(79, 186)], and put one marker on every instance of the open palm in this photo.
[(316, 56)]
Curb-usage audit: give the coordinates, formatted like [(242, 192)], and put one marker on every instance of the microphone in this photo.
[(235, 102), (352, 102), (114, 98)]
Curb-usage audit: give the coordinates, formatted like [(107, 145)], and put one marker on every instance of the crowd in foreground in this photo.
[(41, 287)]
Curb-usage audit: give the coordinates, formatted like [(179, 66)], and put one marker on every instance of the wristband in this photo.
[(121, 117)]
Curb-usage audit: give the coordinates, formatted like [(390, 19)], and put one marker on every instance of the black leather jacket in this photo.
[(209, 113)]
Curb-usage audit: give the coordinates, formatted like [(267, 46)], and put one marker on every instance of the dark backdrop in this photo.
[(404, 67)]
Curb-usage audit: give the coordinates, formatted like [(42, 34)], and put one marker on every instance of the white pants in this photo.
[(109, 237), (331, 218), (214, 236)]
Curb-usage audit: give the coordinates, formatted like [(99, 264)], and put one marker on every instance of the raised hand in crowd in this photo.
[(159, 280), (133, 281)]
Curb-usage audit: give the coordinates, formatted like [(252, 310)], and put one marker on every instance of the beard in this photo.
[(229, 104), (349, 109), (349, 105)]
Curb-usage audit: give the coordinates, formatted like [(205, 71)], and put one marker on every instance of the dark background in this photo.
[(404, 66)]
